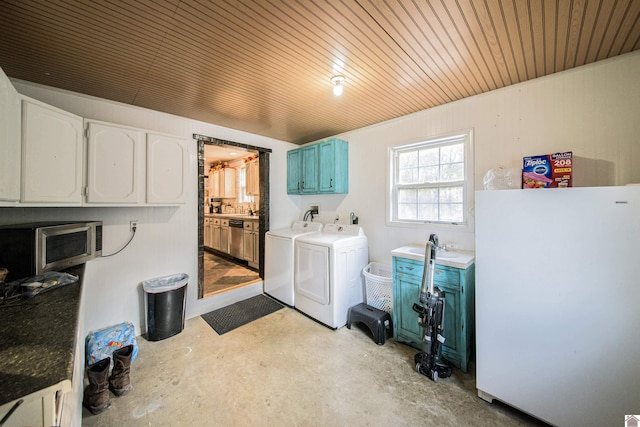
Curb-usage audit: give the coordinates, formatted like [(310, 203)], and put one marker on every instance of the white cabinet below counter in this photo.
[(207, 232), (224, 235), (251, 245), (42, 408), (212, 230), (215, 240)]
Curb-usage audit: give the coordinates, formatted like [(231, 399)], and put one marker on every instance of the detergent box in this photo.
[(547, 171)]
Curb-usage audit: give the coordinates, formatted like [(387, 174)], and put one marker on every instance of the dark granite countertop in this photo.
[(37, 340)]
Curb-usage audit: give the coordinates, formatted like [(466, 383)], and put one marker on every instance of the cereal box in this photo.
[(547, 171)]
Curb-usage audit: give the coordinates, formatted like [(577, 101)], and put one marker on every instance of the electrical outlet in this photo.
[(134, 225), (314, 209)]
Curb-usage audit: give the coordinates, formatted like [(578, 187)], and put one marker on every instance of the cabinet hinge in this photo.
[(85, 191)]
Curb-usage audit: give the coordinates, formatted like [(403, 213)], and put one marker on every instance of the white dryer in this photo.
[(328, 272), (278, 261)]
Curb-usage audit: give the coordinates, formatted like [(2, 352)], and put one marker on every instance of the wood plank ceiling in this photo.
[(264, 66)]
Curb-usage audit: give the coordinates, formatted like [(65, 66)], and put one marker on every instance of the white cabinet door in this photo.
[(248, 241), (10, 144), (207, 232), (256, 243), (228, 183), (248, 246), (251, 245), (52, 154), (223, 183), (167, 164), (215, 234), (115, 164), (214, 184), (252, 178), (224, 236)]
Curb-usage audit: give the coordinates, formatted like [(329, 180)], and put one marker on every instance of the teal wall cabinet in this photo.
[(334, 166), (294, 178), (320, 168), (309, 170), (458, 286)]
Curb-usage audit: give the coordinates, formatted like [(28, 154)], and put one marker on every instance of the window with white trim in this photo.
[(242, 186), (430, 181)]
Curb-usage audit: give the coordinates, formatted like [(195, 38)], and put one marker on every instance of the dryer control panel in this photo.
[(347, 230)]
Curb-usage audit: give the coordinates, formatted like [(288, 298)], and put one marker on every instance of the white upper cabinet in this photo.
[(10, 144), (167, 166), (52, 155), (43, 161), (222, 183), (214, 184), (228, 182), (115, 164), (253, 178)]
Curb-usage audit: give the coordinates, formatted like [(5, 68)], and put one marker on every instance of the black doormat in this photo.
[(228, 318)]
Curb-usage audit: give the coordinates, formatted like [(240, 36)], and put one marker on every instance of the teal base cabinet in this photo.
[(458, 286), (320, 168)]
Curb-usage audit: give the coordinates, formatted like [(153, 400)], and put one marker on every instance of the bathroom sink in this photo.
[(447, 255)]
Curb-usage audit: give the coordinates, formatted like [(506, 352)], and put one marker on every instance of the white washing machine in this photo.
[(278, 261), (328, 273)]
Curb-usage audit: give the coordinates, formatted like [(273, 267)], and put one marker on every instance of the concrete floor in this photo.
[(287, 370)]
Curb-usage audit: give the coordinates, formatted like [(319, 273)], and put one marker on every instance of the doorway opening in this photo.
[(222, 264)]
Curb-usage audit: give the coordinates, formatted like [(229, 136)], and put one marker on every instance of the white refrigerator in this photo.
[(558, 302)]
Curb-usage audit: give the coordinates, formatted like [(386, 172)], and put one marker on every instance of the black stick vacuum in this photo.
[(430, 315)]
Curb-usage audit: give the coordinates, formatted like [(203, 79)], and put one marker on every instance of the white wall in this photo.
[(166, 240), (592, 111)]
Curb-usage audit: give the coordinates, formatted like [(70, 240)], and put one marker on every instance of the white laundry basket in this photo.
[(379, 286)]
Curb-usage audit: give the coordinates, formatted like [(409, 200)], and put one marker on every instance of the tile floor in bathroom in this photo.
[(285, 369)]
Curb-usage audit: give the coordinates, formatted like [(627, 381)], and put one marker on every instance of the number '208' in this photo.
[(563, 162)]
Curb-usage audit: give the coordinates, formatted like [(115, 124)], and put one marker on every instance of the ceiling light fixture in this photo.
[(337, 84)]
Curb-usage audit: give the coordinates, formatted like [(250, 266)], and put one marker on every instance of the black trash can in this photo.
[(165, 302)]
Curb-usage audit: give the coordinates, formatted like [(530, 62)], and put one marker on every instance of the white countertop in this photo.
[(239, 216), (457, 259)]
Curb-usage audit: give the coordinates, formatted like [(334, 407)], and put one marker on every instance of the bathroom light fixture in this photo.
[(337, 81)]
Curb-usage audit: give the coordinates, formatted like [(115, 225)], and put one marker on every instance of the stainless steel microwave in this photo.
[(30, 249)]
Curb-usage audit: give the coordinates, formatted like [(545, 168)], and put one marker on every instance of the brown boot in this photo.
[(96, 395), (119, 382)]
